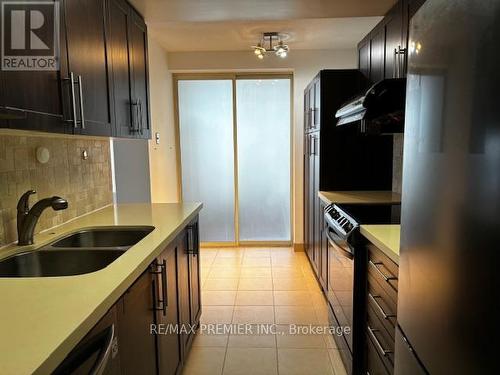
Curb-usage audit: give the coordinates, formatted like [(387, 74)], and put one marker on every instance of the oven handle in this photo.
[(348, 254)]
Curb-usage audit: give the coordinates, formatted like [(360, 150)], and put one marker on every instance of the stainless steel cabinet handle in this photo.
[(71, 79), (384, 276), (82, 117), (379, 346), (395, 64), (379, 307), (192, 242), (141, 124), (161, 304)]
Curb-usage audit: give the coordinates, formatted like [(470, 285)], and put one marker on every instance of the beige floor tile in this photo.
[(224, 272), (217, 314), (323, 316), (249, 272), (250, 298), (218, 298), (256, 262), (287, 272), (337, 364), (295, 315), (253, 314), (253, 336), (256, 283), (290, 284), (292, 298), (227, 262), (330, 341), (230, 253), (209, 340), (288, 337), (205, 361), (304, 362), (257, 253), (286, 262), (251, 361), (221, 284)]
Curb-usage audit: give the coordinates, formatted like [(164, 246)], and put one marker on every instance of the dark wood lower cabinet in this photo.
[(169, 350), (135, 316), (153, 320)]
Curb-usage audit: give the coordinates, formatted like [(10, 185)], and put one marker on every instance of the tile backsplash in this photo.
[(397, 163), (85, 184)]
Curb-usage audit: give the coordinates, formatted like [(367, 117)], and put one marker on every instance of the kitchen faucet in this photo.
[(27, 218)]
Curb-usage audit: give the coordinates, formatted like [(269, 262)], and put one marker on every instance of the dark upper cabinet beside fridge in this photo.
[(383, 52), (127, 40), (102, 85)]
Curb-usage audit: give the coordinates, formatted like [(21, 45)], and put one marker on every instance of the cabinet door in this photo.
[(377, 54), (364, 57), (323, 272), (307, 188), (118, 55), (135, 316), (315, 202), (183, 290), (35, 100), (140, 96), (394, 42), (307, 117), (194, 272), (85, 34), (169, 351), (311, 198), (317, 104)]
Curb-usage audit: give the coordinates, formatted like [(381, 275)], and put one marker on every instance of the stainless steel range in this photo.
[(347, 271)]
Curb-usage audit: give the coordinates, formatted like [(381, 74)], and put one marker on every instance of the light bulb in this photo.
[(257, 51), (260, 56), (283, 54)]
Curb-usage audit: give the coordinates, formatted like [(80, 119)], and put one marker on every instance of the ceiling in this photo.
[(233, 25), (326, 33)]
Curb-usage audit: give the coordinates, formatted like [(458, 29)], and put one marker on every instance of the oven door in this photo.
[(341, 285)]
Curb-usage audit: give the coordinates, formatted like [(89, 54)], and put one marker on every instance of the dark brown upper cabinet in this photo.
[(102, 85), (383, 52), (86, 45), (34, 100), (127, 39)]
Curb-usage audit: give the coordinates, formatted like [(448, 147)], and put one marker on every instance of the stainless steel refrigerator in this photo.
[(449, 281)]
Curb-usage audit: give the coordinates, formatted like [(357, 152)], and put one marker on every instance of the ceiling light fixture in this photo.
[(273, 42)]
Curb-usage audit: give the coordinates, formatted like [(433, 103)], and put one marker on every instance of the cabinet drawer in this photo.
[(374, 364), (385, 272), (380, 338), (384, 307)]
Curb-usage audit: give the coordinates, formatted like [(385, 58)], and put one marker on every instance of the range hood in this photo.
[(381, 109)]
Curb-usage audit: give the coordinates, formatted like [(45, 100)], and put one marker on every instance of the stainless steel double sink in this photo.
[(84, 251)]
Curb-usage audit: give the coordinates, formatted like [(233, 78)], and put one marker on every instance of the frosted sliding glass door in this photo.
[(207, 154), (263, 131)]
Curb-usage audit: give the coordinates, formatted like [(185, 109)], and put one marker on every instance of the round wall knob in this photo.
[(42, 155)]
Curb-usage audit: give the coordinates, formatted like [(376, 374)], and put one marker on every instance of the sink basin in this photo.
[(118, 237), (40, 263)]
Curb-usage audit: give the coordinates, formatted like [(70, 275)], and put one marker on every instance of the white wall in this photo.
[(304, 64), (131, 173), (162, 157)]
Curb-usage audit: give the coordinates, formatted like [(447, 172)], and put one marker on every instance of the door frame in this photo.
[(234, 76)]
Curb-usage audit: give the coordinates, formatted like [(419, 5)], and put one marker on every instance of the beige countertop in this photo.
[(43, 318), (330, 197), (385, 237)]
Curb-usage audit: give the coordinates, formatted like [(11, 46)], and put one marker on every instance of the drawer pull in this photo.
[(384, 276), (379, 346), (379, 307)]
